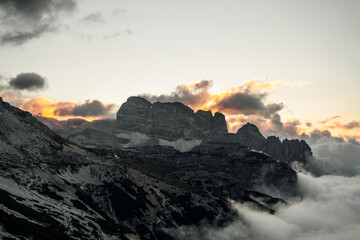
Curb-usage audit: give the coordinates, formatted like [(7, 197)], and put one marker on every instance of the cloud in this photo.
[(57, 109), (24, 81), (292, 127), (334, 156), (247, 99), (20, 37), (192, 94), (325, 133), (28, 81), (352, 125), (330, 210), (23, 21), (347, 126), (329, 119), (95, 17), (89, 108), (309, 124)]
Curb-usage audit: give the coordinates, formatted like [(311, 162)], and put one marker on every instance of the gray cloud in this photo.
[(95, 17), (334, 156), (23, 20), (329, 119), (325, 133), (16, 37), (27, 81), (248, 103), (352, 125), (23, 81), (195, 95), (242, 100), (291, 128), (276, 121), (89, 108)]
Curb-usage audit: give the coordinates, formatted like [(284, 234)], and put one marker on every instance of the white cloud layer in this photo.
[(330, 210), (335, 157)]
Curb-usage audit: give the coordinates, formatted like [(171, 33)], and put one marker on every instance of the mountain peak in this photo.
[(250, 130)]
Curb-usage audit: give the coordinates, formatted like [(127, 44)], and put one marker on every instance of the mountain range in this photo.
[(157, 167)]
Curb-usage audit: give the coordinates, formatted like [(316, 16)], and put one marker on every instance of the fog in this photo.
[(329, 210)]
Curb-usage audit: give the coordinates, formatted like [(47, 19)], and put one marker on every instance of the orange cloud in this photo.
[(90, 110)]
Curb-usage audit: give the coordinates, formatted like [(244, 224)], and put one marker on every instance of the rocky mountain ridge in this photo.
[(54, 189), (142, 123)]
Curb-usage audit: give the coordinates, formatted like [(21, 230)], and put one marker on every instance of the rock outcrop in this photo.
[(286, 151), (168, 121)]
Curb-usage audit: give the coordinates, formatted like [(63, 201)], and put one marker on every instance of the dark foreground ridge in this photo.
[(51, 188)]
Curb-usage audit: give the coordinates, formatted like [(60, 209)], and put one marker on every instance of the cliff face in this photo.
[(141, 123), (285, 151), (169, 121)]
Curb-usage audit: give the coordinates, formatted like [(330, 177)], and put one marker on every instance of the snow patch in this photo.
[(135, 138), (181, 144)]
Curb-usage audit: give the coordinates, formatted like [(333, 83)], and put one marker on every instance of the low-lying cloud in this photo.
[(58, 109), (334, 156), (330, 210), (89, 108)]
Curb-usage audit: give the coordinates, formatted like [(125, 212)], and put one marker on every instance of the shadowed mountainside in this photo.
[(55, 189)]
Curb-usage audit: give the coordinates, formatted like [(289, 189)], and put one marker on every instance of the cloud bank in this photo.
[(330, 210), (59, 109), (247, 99)]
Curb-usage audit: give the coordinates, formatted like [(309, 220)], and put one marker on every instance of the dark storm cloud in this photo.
[(89, 108), (24, 20), (190, 94)]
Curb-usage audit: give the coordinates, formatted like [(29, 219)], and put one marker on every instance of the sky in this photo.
[(287, 66)]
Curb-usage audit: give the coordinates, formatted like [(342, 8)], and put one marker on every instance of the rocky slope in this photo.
[(287, 151), (51, 188)]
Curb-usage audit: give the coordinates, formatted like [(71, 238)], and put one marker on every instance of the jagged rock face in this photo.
[(295, 149), (223, 169), (249, 135), (169, 121), (287, 151), (136, 115)]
